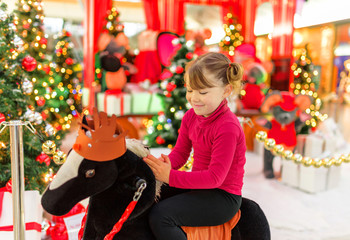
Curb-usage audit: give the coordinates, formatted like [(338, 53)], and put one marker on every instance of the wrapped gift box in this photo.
[(300, 147), (146, 103), (290, 173), (118, 104), (313, 179), (313, 145), (33, 213), (85, 97), (333, 177)]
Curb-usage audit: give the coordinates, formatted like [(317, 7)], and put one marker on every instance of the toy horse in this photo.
[(109, 169)]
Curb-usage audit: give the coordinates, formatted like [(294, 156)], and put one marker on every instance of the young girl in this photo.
[(211, 193)]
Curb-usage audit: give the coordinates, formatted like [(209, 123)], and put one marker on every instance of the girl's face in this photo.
[(205, 101)]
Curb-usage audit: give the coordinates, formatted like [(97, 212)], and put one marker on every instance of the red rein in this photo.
[(116, 228)]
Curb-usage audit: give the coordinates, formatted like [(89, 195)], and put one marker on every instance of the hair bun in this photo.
[(234, 72)]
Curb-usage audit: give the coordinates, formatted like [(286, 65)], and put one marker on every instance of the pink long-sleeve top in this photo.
[(219, 152)]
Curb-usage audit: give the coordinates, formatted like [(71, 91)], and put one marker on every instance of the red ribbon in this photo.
[(29, 226), (7, 188), (119, 94)]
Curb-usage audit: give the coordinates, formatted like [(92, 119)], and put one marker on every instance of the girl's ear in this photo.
[(228, 90)]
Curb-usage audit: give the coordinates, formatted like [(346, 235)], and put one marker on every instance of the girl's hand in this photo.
[(160, 167)]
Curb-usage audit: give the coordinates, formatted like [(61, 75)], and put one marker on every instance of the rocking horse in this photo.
[(109, 169)]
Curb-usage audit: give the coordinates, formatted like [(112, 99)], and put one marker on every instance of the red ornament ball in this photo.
[(29, 63), (43, 41), (160, 140), (41, 101), (43, 158), (179, 70), (189, 55), (46, 69), (170, 86), (69, 61), (2, 117)]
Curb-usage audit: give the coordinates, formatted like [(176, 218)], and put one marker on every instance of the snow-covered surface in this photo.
[(292, 213)]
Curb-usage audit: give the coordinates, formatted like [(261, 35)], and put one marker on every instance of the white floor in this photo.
[(294, 214)]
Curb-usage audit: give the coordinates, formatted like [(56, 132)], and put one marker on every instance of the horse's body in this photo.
[(111, 186)]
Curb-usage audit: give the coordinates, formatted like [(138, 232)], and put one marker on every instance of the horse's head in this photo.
[(99, 164)]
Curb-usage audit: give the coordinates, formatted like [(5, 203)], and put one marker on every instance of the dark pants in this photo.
[(180, 207)]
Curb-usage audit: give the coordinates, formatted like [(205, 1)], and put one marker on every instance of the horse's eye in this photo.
[(90, 173)]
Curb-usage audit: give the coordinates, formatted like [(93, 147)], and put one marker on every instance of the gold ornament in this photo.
[(297, 158), (288, 155), (278, 150), (59, 157), (261, 136), (316, 162), (338, 161), (346, 158), (327, 162), (49, 147), (306, 161), (270, 143)]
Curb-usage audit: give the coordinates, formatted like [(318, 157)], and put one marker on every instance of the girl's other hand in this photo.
[(160, 167)]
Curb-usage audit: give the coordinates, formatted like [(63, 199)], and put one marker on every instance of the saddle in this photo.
[(220, 232)]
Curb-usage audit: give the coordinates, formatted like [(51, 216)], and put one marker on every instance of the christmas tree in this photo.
[(15, 104), (304, 83), (68, 73), (113, 26), (163, 128), (47, 93), (233, 36)]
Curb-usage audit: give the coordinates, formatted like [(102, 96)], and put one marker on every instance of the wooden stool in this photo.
[(220, 232)]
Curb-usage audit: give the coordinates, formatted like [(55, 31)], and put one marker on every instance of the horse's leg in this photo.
[(253, 224)]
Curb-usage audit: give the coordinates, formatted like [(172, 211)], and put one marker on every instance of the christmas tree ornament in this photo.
[(49, 147), (160, 140), (59, 157), (41, 101), (38, 119), (50, 130), (27, 86), (43, 158), (18, 42), (3, 15), (29, 63), (26, 7), (2, 117)]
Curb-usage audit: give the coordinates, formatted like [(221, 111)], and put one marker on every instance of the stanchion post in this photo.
[(17, 171)]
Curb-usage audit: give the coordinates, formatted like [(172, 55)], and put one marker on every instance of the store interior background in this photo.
[(322, 24)]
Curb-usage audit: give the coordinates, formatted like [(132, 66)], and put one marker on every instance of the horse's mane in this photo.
[(140, 150)]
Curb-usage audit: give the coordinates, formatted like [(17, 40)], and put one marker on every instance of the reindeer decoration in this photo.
[(109, 169)]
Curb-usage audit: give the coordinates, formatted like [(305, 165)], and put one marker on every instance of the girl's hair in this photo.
[(201, 72)]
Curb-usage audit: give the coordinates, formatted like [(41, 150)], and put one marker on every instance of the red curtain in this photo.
[(169, 15), (95, 12), (151, 14)]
